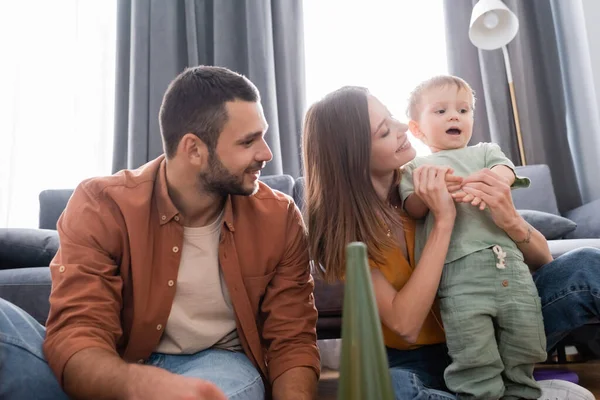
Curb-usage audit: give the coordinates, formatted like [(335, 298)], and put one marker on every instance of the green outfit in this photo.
[(489, 304)]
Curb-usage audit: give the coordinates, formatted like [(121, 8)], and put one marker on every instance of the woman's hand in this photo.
[(430, 184), (495, 191), (490, 188)]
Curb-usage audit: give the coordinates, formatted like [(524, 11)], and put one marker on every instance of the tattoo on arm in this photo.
[(527, 237)]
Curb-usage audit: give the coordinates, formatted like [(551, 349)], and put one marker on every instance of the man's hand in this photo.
[(151, 383)]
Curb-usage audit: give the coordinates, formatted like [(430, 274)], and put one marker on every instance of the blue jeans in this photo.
[(569, 288), (24, 373)]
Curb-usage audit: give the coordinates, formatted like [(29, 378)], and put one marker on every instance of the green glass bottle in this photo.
[(364, 373)]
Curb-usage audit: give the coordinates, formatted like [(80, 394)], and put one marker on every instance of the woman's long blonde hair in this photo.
[(341, 205)]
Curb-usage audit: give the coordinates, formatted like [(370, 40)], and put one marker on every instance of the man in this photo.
[(186, 278)]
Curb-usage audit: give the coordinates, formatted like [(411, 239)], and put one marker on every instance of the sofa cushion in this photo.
[(587, 218), (550, 225), (28, 288), (540, 195), (21, 248), (329, 297)]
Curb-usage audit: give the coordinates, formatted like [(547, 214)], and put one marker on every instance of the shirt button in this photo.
[(171, 283), (505, 283), (175, 249), (163, 217), (62, 268), (158, 327), (176, 218)]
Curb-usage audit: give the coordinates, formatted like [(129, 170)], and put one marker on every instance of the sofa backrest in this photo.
[(539, 196), (53, 202), (283, 183), (299, 193)]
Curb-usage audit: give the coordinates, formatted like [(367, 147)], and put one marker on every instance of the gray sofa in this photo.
[(25, 253)]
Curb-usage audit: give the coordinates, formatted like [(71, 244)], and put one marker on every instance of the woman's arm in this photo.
[(488, 186), (530, 241), (405, 311)]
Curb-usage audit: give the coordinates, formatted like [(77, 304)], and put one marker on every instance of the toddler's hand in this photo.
[(462, 197), (453, 182)]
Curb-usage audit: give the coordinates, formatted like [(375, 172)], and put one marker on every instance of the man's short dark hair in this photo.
[(195, 103)]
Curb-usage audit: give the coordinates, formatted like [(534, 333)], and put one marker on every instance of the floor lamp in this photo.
[(493, 26)]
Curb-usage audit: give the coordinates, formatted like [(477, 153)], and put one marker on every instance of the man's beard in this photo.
[(220, 181)]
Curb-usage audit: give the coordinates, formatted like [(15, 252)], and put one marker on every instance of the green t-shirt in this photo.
[(474, 229)]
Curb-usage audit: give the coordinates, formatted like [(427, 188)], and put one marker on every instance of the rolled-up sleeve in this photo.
[(288, 308), (85, 301)]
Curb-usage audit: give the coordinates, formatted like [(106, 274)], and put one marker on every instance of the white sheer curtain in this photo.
[(56, 99), (388, 46)]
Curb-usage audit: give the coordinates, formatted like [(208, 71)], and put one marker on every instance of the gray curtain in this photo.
[(554, 89), (157, 39)]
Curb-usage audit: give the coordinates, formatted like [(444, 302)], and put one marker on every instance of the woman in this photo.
[(352, 150)]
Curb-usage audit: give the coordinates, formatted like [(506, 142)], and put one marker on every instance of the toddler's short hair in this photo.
[(412, 111)]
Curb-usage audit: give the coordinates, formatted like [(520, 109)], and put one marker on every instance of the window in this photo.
[(57, 99), (388, 46)]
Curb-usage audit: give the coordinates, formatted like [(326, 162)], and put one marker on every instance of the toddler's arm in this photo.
[(505, 173), (411, 203), (415, 207)]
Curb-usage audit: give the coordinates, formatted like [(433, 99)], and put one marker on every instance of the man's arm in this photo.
[(85, 302), (97, 374), (85, 305), (298, 383), (290, 318)]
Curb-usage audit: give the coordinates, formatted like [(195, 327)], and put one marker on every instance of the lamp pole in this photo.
[(493, 26), (513, 100)]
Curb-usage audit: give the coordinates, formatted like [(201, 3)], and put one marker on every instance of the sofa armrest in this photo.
[(587, 218), (562, 246)]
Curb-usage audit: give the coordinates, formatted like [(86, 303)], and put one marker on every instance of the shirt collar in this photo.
[(167, 210)]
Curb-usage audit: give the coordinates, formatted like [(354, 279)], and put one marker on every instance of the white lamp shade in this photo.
[(492, 25)]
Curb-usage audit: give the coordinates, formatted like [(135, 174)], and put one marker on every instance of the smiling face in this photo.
[(390, 147), (444, 118), (241, 152)]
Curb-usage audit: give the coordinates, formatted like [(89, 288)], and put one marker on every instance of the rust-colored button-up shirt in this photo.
[(120, 242)]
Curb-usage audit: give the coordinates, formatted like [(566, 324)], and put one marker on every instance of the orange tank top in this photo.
[(397, 271)]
